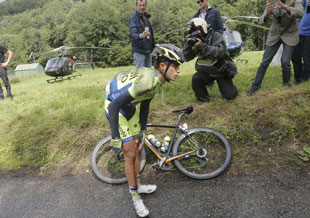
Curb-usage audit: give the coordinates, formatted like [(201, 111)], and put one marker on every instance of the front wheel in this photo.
[(209, 153), (108, 166)]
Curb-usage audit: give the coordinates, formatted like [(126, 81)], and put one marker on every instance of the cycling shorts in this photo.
[(128, 121)]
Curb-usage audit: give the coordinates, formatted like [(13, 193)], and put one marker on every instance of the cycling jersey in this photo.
[(128, 89)]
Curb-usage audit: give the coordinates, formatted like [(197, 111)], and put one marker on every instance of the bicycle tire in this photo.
[(216, 160), (106, 165)]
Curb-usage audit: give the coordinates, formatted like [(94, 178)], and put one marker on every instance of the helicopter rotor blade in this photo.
[(85, 47), (249, 24), (249, 17)]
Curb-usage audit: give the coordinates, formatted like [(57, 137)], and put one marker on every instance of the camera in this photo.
[(193, 38)]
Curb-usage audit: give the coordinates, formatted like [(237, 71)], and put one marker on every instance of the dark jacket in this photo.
[(213, 19), (136, 27), (213, 57), (3, 51)]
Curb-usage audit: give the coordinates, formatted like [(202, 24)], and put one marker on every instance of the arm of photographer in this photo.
[(213, 46), (189, 52)]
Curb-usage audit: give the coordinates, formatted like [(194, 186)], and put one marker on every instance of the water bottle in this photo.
[(165, 144), (153, 141), (147, 29)]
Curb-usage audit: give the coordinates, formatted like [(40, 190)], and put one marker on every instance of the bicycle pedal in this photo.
[(156, 166)]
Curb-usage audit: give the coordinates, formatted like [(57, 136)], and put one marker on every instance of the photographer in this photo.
[(283, 30), (213, 63)]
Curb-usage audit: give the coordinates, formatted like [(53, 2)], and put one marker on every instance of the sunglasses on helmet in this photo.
[(200, 1)]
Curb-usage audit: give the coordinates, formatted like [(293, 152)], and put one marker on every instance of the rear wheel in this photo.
[(108, 166), (210, 160)]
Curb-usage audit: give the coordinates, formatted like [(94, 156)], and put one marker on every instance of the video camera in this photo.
[(193, 38), (193, 35)]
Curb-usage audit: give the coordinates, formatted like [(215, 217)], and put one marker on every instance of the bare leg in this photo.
[(132, 161)]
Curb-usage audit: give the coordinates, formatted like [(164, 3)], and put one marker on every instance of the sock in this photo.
[(138, 181), (134, 193)]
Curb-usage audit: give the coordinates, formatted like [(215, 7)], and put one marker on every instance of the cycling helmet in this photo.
[(198, 23), (167, 53)]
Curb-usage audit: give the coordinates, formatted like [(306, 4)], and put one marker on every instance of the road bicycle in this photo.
[(199, 153)]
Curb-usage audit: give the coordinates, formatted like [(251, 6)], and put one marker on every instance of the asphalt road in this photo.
[(177, 196)]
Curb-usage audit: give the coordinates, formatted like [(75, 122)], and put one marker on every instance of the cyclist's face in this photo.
[(173, 71)]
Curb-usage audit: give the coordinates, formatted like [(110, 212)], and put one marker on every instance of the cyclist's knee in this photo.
[(130, 149), (130, 155)]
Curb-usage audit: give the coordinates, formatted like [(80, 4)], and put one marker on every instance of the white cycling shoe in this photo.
[(146, 189), (141, 209)]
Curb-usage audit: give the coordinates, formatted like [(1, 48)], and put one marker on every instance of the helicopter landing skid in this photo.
[(61, 78), (242, 60)]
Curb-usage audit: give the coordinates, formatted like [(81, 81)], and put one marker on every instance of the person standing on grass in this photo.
[(301, 54), (141, 35), (211, 15), (283, 30), (3, 71)]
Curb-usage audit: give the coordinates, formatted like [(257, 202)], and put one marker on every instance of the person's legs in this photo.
[(269, 53), (286, 63), (227, 88), (148, 60), (139, 59), (297, 63), (132, 167), (306, 56), (130, 129), (199, 82), (2, 75)]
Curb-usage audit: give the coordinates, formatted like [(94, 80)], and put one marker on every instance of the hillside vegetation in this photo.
[(55, 126), (41, 25)]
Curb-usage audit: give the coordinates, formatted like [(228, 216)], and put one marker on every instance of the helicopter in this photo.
[(233, 38), (64, 66)]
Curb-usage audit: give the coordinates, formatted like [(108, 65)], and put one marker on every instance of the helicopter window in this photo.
[(232, 37), (55, 62)]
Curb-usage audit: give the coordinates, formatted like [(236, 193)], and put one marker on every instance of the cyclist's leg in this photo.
[(130, 154), (134, 126), (132, 157)]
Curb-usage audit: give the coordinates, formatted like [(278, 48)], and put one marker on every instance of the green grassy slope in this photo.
[(56, 126)]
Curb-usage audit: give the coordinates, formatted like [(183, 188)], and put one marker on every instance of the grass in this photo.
[(56, 126)]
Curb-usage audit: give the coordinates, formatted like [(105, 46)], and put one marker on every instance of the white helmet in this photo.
[(198, 23)]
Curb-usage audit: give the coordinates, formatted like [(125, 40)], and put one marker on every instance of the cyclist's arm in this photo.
[(114, 108), (144, 112)]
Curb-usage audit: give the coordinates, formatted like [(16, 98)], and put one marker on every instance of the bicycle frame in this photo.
[(164, 158)]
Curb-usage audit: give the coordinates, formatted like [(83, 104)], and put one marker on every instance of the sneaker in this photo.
[(146, 189), (201, 101), (141, 209), (288, 84), (250, 92)]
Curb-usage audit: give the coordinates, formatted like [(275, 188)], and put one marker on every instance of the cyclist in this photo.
[(127, 122)]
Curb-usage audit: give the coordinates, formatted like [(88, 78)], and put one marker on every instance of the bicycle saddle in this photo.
[(187, 110)]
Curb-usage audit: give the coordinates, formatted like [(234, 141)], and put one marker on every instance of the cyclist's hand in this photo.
[(141, 138), (116, 145)]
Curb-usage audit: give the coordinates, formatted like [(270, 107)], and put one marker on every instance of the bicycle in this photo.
[(199, 153)]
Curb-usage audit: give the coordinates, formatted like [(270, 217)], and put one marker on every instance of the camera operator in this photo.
[(213, 63)]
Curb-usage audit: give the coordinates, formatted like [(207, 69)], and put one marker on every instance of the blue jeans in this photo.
[(142, 60), (270, 52)]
